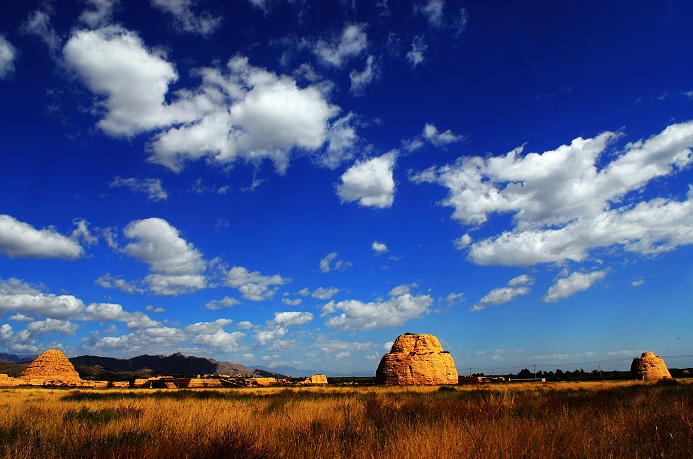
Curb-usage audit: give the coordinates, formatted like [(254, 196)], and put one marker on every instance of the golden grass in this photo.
[(555, 420)]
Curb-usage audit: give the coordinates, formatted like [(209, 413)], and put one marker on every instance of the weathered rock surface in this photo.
[(316, 380), (416, 359), (649, 366), (53, 368)]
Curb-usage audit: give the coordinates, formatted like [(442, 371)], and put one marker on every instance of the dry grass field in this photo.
[(587, 420)]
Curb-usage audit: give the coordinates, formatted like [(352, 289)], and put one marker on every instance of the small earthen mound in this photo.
[(51, 368), (416, 359), (649, 366)]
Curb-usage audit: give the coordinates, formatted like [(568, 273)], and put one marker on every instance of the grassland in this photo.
[(587, 420)]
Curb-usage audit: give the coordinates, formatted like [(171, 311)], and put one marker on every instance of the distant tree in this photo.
[(524, 374)]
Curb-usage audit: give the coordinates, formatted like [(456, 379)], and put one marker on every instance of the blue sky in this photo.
[(291, 183)]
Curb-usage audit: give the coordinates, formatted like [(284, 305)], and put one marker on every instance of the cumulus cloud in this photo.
[(292, 318), (360, 80), (341, 141), (337, 51), (41, 327), (332, 263), (568, 201), (576, 282), (185, 20), (109, 281), (415, 56), (433, 10), (114, 312), (8, 54), (176, 266), (379, 247), (152, 187), (431, 135), (437, 138), (98, 12), (356, 315), (253, 285), (239, 112), (251, 114), (225, 302), (20, 297), (39, 24), (516, 287), (321, 293), (115, 64), (370, 182), (21, 240)]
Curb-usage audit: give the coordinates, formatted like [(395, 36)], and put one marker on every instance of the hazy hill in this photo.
[(17, 358), (144, 366)]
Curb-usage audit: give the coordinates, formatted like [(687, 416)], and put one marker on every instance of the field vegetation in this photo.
[(553, 420)]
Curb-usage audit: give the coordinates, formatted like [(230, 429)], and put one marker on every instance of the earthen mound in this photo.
[(649, 366), (51, 367), (416, 359)]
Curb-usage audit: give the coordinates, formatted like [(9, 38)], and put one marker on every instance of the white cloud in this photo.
[(114, 312), (337, 51), (437, 138), (453, 298), (245, 325), (415, 56), (21, 318), (20, 297), (322, 293), (21, 240), (250, 114), (370, 182), (516, 287), (225, 302), (357, 315), (265, 336), (290, 302), (292, 318), (40, 327), (39, 23), (433, 10), (8, 54), (563, 204), (379, 247), (576, 282), (360, 80), (253, 285), (152, 187), (108, 281), (176, 266), (221, 340), (341, 140), (332, 263), (99, 12), (431, 134), (114, 63), (185, 20), (237, 113), (208, 328)]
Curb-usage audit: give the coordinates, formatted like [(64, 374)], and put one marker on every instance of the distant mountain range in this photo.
[(144, 366), (14, 358), (96, 367)]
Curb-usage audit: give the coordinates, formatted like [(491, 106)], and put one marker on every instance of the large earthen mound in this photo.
[(416, 360), (649, 366), (51, 367)]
